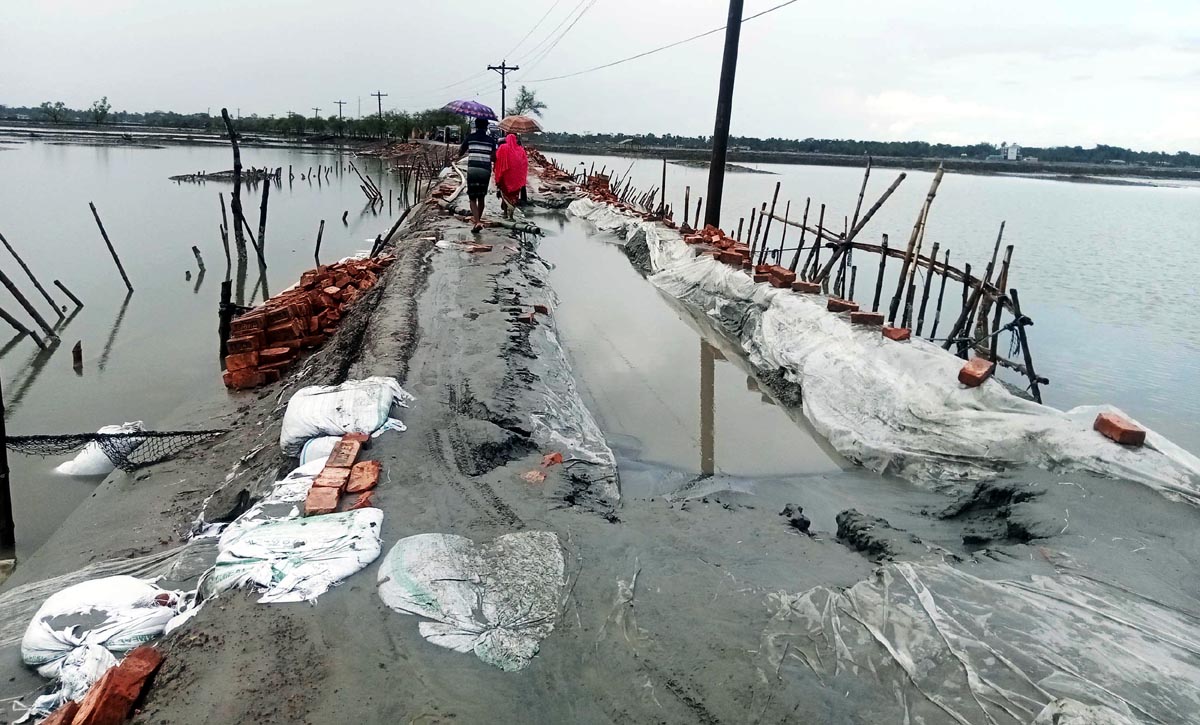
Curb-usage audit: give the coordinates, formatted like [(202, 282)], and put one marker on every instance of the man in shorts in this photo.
[(480, 150)]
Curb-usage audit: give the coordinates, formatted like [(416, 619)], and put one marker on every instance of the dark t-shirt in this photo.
[(480, 150)]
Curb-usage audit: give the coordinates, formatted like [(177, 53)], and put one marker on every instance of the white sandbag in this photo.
[(117, 612), (295, 560), (355, 406), (319, 447), (499, 600), (93, 461), (79, 671)]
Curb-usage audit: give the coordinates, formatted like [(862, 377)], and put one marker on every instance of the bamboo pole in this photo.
[(68, 293), (687, 203), (317, 251), (861, 192), (918, 229), (199, 259), (770, 216), (925, 294), (262, 218), (787, 210), (20, 328), (941, 294), (29, 309), (803, 230), (1001, 283), (235, 198), (111, 251), (814, 255), (29, 273), (879, 279), (1022, 321), (8, 529)]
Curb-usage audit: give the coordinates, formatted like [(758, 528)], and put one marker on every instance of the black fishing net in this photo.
[(127, 451)]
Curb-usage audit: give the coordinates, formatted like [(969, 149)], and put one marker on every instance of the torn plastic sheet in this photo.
[(355, 406), (498, 600), (295, 560), (76, 633), (953, 647), (895, 408)]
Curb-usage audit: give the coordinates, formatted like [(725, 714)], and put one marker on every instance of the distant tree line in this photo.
[(393, 124), (913, 149)]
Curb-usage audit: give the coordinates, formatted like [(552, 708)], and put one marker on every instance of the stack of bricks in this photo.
[(722, 247), (267, 339), (343, 474)]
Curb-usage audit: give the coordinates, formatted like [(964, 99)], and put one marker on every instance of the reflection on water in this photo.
[(156, 351), (707, 409)]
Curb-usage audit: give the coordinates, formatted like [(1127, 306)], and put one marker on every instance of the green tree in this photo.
[(99, 110), (55, 111), (526, 102)]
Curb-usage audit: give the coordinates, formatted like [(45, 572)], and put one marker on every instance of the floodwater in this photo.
[(1106, 272), (151, 357)]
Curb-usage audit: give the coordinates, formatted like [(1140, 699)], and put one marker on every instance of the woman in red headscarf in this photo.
[(512, 172)]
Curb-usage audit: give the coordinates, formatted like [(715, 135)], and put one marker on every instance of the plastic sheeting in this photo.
[(891, 407), (355, 406), (498, 600), (74, 634), (93, 461), (295, 560), (953, 647)]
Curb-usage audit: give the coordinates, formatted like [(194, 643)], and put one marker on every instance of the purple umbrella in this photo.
[(473, 109)]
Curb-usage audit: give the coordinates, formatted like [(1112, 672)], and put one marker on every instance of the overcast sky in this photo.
[(1037, 73)]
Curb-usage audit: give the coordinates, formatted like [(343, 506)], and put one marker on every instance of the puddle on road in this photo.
[(667, 390)]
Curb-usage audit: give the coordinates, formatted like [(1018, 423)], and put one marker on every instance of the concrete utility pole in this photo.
[(316, 112), (339, 105), (720, 149), (503, 69)]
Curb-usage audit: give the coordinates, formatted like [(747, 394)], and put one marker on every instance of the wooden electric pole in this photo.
[(720, 142), (339, 104), (503, 69), (316, 112), (379, 99)]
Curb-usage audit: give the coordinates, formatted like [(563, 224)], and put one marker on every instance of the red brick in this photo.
[(311, 341), (899, 334), (362, 438), (542, 309), (111, 699), (363, 476), (551, 459), (1122, 430), (730, 257), (271, 375), (276, 355), (781, 276), (333, 291), (241, 361), (247, 343), (341, 280), (976, 371), (526, 317), (308, 279), (243, 379), (837, 305), (64, 715), (280, 315), (286, 331), (320, 501), (808, 288), (761, 277), (344, 454), (479, 248), (874, 319), (363, 501), (247, 323), (332, 478)]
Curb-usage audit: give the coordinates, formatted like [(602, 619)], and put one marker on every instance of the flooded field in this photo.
[(151, 357), (1102, 270)]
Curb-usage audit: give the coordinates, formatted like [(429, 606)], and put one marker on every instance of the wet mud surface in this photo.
[(684, 582)]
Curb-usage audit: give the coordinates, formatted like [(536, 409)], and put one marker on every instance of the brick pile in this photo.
[(343, 474), (111, 700), (267, 339)]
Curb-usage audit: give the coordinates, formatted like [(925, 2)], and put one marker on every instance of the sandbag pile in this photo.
[(265, 340)]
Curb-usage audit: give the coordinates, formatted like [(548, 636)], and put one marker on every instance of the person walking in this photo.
[(480, 150), (512, 172)]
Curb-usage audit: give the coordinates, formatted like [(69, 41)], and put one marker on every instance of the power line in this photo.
[(535, 27), (532, 64), (660, 49), (541, 43)]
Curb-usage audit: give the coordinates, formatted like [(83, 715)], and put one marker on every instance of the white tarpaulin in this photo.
[(499, 600), (953, 647), (293, 559), (355, 406), (891, 407)]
